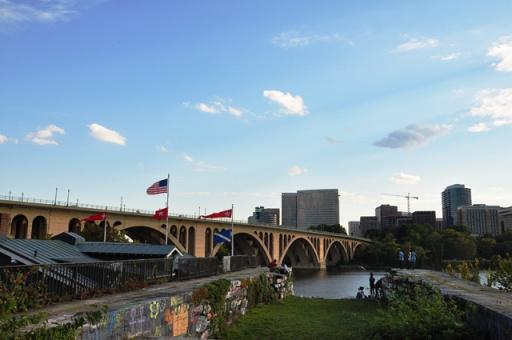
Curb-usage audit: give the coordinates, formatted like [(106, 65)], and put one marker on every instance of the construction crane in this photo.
[(408, 197)]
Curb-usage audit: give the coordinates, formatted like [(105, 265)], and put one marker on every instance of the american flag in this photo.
[(159, 187)]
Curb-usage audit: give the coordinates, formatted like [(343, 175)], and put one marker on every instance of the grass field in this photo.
[(305, 318)]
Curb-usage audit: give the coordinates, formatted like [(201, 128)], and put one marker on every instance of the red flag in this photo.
[(220, 214), (97, 217), (161, 214)]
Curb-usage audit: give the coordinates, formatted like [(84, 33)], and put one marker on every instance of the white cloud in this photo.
[(403, 178), (45, 136), (297, 171), (3, 139), (220, 105), (332, 140), (448, 57), (201, 166), (502, 52), (46, 11), (416, 44), (290, 104), (188, 158), (411, 136), (494, 104), (480, 127), (293, 39), (162, 148), (104, 134)]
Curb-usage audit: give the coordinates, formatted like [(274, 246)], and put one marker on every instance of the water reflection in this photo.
[(332, 284)]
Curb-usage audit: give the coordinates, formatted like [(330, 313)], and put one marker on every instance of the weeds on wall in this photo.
[(17, 297), (465, 270)]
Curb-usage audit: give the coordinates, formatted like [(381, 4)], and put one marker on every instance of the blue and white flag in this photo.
[(223, 236)]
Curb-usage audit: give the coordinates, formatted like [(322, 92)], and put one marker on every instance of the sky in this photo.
[(243, 100)]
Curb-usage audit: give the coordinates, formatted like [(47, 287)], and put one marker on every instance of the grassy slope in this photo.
[(303, 318)]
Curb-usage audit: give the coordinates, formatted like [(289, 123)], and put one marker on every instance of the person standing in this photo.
[(409, 258), (401, 258), (372, 285), (413, 259)]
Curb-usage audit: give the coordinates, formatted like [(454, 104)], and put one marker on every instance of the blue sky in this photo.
[(241, 101)]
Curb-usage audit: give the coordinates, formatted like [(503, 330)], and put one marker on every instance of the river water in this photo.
[(332, 284), (339, 284)]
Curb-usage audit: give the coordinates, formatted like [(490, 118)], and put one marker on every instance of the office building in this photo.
[(354, 228), (505, 219), (383, 211), (262, 215), (309, 208), (439, 224), (289, 209), (480, 219), (368, 223), (454, 197), (424, 217)]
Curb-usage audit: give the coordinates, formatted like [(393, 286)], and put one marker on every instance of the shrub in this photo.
[(502, 274)]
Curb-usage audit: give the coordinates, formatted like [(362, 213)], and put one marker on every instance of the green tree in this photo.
[(94, 232), (486, 247)]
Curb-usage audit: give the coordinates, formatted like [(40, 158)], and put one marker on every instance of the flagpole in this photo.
[(167, 206), (232, 230), (105, 228)]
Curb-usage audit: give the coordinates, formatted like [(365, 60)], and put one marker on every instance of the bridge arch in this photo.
[(191, 239), (150, 234), (19, 226), (300, 253), (336, 253), (39, 228), (207, 242), (75, 225), (248, 244), (183, 237)]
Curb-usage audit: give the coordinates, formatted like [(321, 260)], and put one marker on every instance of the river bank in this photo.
[(306, 318)]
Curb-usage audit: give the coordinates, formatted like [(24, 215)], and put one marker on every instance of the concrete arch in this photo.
[(75, 225), (39, 228), (19, 226), (297, 250), (336, 252), (208, 242), (182, 238), (174, 231), (191, 241), (153, 229), (242, 249)]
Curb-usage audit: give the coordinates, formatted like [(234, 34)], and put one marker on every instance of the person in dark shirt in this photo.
[(372, 285)]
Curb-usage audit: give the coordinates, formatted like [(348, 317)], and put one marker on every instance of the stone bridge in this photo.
[(298, 248)]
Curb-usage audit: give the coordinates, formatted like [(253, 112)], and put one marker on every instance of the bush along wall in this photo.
[(220, 303)]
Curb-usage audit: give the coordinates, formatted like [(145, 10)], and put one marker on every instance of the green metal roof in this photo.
[(125, 248), (42, 251)]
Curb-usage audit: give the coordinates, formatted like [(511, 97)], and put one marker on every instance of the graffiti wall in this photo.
[(170, 316)]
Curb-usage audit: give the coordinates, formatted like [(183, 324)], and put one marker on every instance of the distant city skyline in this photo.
[(242, 101)]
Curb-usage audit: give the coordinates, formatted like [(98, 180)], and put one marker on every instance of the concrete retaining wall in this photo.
[(174, 315)]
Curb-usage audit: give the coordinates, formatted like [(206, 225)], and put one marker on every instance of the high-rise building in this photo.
[(354, 228), (439, 224), (262, 215), (289, 209), (386, 215), (309, 208), (454, 197), (424, 217), (505, 219), (368, 223), (480, 218)]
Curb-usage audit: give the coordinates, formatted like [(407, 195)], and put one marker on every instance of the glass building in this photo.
[(454, 197)]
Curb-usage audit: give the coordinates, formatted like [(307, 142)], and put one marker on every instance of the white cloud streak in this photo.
[(3, 139), (45, 136), (293, 39), (288, 103), (495, 105), (416, 44), (412, 136), (332, 140), (297, 171), (501, 51), (106, 135), (448, 57), (403, 178), (162, 148), (220, 105), (46, 11), (201, 166)]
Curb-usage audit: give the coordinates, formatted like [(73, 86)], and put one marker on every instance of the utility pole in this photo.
[(56, 191), (67, 201)]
